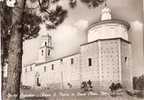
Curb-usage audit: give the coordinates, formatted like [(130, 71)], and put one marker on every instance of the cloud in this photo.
[(78, 26), (65, 33), (67, 39), (81, 24), (137, 25), (43, 30)]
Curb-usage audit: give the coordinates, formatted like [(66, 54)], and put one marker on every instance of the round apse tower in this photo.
[(107, 27)]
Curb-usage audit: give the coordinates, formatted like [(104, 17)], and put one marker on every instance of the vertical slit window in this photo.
[(125, 59), (52, 67), (44, 68), (42, 52), (45, 43), (48, 52), (72, 61)]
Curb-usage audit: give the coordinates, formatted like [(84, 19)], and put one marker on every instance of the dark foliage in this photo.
[(55, 1), (31, 21), (90, 84), (86, 86), (44, 4), (140, 94), (118, 86), (6, 21), (30, 26), (138, 83), (115, 86), (73, 3), (56, 17), (92, 3), (129, 93), (112, 87), (70, 85)]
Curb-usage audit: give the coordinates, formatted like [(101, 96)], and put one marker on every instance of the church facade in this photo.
[(104, 59)]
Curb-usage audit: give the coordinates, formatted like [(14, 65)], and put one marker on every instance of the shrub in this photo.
[(115, 86), (86, 86)]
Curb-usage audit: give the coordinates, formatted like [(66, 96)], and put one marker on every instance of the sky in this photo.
[(71, 33)]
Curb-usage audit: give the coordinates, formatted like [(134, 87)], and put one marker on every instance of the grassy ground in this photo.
[(85, 98), (42, 94)]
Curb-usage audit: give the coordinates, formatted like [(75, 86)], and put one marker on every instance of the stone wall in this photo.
[(90, 72), (126, 64), (57, 73)]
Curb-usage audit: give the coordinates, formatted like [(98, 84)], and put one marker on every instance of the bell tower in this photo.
[(45, 48)]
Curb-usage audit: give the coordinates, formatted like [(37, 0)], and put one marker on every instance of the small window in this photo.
[(45, 43), (61, 60), (42, 52), (52, 67), (30, 68), (48, 52), (44, 68), (89, 62), (72, 61), (125, 59)]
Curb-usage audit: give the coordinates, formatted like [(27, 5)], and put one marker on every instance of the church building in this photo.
[(104, 59)]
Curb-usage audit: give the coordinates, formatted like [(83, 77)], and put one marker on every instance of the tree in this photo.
[(138, 82), (5, 22), (84, 86), (23, 24), (112, 87), (135, 79), (118, 86), (90, 85)]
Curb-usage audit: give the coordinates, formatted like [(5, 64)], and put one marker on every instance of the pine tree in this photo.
[(20, 23)]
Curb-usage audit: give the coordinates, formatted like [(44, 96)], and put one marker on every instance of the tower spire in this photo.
[(106, 12)]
